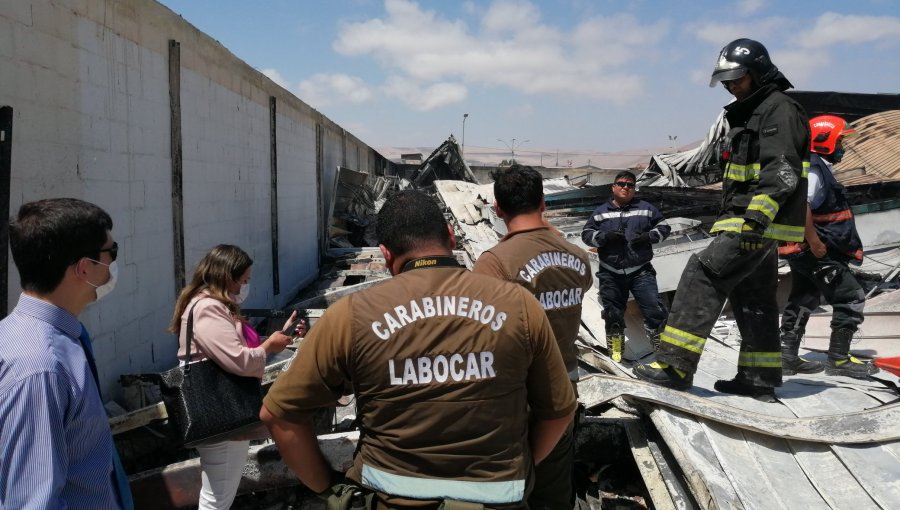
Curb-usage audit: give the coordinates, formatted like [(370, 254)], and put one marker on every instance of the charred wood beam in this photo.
[(139, 418), (157, 412), (178, 485)]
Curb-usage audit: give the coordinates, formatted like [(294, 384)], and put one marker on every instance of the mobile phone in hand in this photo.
[(289, 330)]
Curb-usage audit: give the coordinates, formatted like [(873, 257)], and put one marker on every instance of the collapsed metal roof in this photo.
[(443, 163), (695, 167), (873, 155)]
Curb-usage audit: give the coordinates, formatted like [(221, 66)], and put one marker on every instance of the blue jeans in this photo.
[(614, 290)]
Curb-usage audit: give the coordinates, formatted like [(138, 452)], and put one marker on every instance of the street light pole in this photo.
[(463, 149), (512, 148)]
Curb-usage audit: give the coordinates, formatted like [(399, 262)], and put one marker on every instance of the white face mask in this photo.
[(242, 295), (107, 287)]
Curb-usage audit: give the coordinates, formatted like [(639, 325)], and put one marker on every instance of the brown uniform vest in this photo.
[(554, 270), (445, 365)]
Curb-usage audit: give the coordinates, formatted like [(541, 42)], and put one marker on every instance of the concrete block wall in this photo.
[(88, 81)]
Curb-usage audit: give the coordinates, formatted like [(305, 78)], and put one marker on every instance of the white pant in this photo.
[(221, 466)]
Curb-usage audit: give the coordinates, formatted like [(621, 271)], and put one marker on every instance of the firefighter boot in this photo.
[(840, 362), (615, 342), (664, 374), (791, 362), (740, 386)]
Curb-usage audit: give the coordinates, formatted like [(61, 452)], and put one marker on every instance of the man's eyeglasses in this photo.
[(113, 250), (625, 184)]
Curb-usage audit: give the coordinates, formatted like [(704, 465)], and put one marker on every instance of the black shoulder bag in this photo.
[(205, 403)]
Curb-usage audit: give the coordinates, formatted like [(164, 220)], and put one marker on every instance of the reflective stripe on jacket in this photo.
[(768, 161), (635, 218), (497, 492)]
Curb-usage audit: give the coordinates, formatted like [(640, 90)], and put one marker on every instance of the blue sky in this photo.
[(587, 77)]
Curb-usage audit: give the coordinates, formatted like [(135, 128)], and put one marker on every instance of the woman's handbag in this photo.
[(205, 403)]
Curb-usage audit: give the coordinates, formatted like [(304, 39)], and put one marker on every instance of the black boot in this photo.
[(664, 374), (738, 386), (839, 360), (791, 362)]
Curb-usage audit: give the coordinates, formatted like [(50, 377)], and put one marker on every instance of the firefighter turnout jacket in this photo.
[(445, 365), (555, 271), (765, 182), (632, 219)]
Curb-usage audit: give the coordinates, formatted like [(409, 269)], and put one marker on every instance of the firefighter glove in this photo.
[(614, 236), (642, 239), (751, 238)]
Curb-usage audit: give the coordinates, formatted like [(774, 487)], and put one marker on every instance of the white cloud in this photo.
[(275, 76), (798, 67), (521, 112), (325, 89), (510, 16), (832, 29), (513, 49), (748, 7), (423, 98), (719, 34), (800, 54)]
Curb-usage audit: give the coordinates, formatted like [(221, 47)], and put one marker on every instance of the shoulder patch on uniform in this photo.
[(770, 130)]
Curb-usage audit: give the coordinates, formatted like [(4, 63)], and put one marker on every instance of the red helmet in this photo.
[(825, 131)]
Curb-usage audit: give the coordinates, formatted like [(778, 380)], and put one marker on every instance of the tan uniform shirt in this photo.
[(557, 272), (445, 365)]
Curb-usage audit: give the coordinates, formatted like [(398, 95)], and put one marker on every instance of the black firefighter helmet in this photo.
[(743, 56)]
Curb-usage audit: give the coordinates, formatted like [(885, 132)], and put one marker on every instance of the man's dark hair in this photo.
[(626, 174), (518, 189), (50, 235), (408, 220)]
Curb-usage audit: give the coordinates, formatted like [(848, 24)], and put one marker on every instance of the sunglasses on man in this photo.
[(625, 184), (112, 250)]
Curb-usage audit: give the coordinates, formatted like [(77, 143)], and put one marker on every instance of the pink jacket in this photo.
[(220, 337)]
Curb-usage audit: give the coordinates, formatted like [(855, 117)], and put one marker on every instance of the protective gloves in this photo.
[(642, 239), (614, 236), (751, 237)]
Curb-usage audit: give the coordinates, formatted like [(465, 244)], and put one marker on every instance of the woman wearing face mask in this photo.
[(220, 284)]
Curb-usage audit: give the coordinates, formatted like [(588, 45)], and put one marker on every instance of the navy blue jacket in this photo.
[(634, 219)]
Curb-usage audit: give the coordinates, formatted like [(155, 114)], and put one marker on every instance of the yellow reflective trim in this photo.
[(760, 359), (765, 205), (782, 232), (728, 225), (683, 339), (742, 173)]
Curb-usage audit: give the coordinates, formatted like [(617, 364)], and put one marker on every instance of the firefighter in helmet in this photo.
[(819, 265), (764, 201)]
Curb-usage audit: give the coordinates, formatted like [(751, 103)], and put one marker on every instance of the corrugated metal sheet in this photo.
[(874, 155)]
